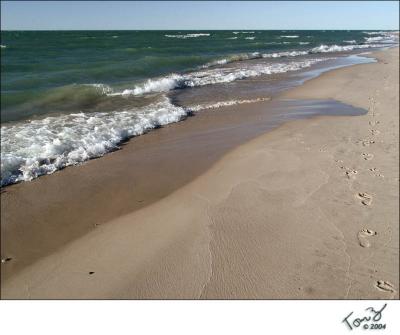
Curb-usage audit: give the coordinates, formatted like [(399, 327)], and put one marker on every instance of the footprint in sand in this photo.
[(366, 199), (351, 173), (375, 132), (363, 237), (367, 142), (385, 286), (374, 123), (376, 172), (367, 156)]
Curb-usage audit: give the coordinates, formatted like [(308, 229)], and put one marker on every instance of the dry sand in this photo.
[(309, 210)]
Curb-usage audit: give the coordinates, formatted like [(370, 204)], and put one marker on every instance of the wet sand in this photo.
[(309, 210), (64, 206)]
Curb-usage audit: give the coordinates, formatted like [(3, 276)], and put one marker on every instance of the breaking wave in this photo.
[(213, 76), (37, 147)]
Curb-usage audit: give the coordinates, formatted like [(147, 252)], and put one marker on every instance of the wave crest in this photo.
[(33, 148), (214, 76)]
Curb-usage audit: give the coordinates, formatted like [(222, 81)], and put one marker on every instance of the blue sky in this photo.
[(50, 15)]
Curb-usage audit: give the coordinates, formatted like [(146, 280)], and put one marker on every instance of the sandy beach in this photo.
[(308, 210)]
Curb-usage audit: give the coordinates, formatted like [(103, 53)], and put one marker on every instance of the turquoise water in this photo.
[(67, 96)]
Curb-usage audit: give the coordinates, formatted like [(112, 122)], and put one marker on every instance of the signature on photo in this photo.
[(370, 319)]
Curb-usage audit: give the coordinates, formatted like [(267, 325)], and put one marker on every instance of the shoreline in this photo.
[(75, 200), (199, 241)]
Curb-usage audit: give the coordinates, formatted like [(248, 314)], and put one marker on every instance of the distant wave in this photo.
[(249, 38), (320, 49), (87, 37), (374, 39), (304, 43), (374, 32), (351, 42), (339, 48), (289, 36), (285, 54), (243, 32), (3, 46), (213, 76), (187, 35), (232, 38), (383, 36)]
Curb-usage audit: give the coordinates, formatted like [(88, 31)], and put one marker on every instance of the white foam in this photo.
[(232, 38), (351, 42), (33, 148), (249, 38), (289, 36), (3, 46), (304, 43), (187, 35), (227, 103)]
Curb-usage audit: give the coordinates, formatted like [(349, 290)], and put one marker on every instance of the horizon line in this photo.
[(232, 29)]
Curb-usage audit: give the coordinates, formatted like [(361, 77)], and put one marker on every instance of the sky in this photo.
[(198, 15)]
